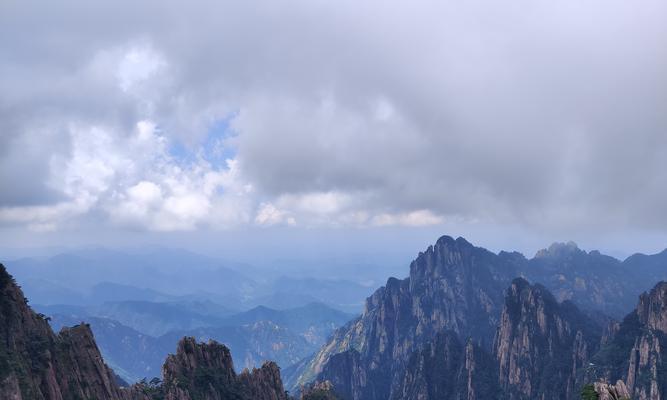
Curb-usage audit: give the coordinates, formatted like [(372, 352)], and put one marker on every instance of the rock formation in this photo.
[(452, 286), (541, 344), (447, 369), (205, 371), (37, 364)]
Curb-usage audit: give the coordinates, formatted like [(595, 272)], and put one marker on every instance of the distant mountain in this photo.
[(108, 292), (593, 280), (290, 292), (284, 336), (314, 321), (97, 276), (158, 318), (165, 271)]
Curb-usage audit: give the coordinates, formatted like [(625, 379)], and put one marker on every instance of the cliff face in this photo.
[(647, 373), (205, 371), (37, 364), (541, 344), (452, 286), (447, 369)]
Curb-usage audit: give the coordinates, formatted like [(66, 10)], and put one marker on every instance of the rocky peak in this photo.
[(452, 286), (652, 308), (206, 371)]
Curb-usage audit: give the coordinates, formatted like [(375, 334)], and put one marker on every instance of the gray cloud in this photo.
[(547, 115)]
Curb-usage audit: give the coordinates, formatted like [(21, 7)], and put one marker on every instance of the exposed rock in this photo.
[(452, 286), (37, 364), (205, 371), (635, 354), (607, 391), (652, 308), (541, 344), (445, 369)]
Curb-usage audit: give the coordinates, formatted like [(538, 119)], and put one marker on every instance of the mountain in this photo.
[(205, 371), (448, 369), (290, 292), (453, 286), (132, 354), (251, 344), (156, 319), (97, 276), (314, 321), (148, 275), (284, 336), (37, 364), (636, 354), (540, 341), (592, 280), (151, 318), (540, 344)]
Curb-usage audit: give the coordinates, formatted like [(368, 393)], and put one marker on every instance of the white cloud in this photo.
[(268, 215), (341, 114), (414, 218)]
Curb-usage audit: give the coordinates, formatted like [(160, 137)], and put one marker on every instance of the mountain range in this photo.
[(463, 306), (466, 323), (124, 336)]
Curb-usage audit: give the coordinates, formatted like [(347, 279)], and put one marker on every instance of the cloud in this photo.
[(541, 114)]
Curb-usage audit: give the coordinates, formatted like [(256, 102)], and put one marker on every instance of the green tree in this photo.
[(588, 393)]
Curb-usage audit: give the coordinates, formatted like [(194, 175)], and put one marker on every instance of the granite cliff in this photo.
[(541, 344)]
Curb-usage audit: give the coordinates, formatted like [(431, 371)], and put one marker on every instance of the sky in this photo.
[(316, 128)]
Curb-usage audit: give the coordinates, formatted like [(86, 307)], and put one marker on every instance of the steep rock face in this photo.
[(635, 354), (205, 371), (647, 364), (37, 364), (452, 286), (541, 344), (446, 369), (652, 308)]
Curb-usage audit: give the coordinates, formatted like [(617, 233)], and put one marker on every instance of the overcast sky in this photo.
[(514, 122)]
